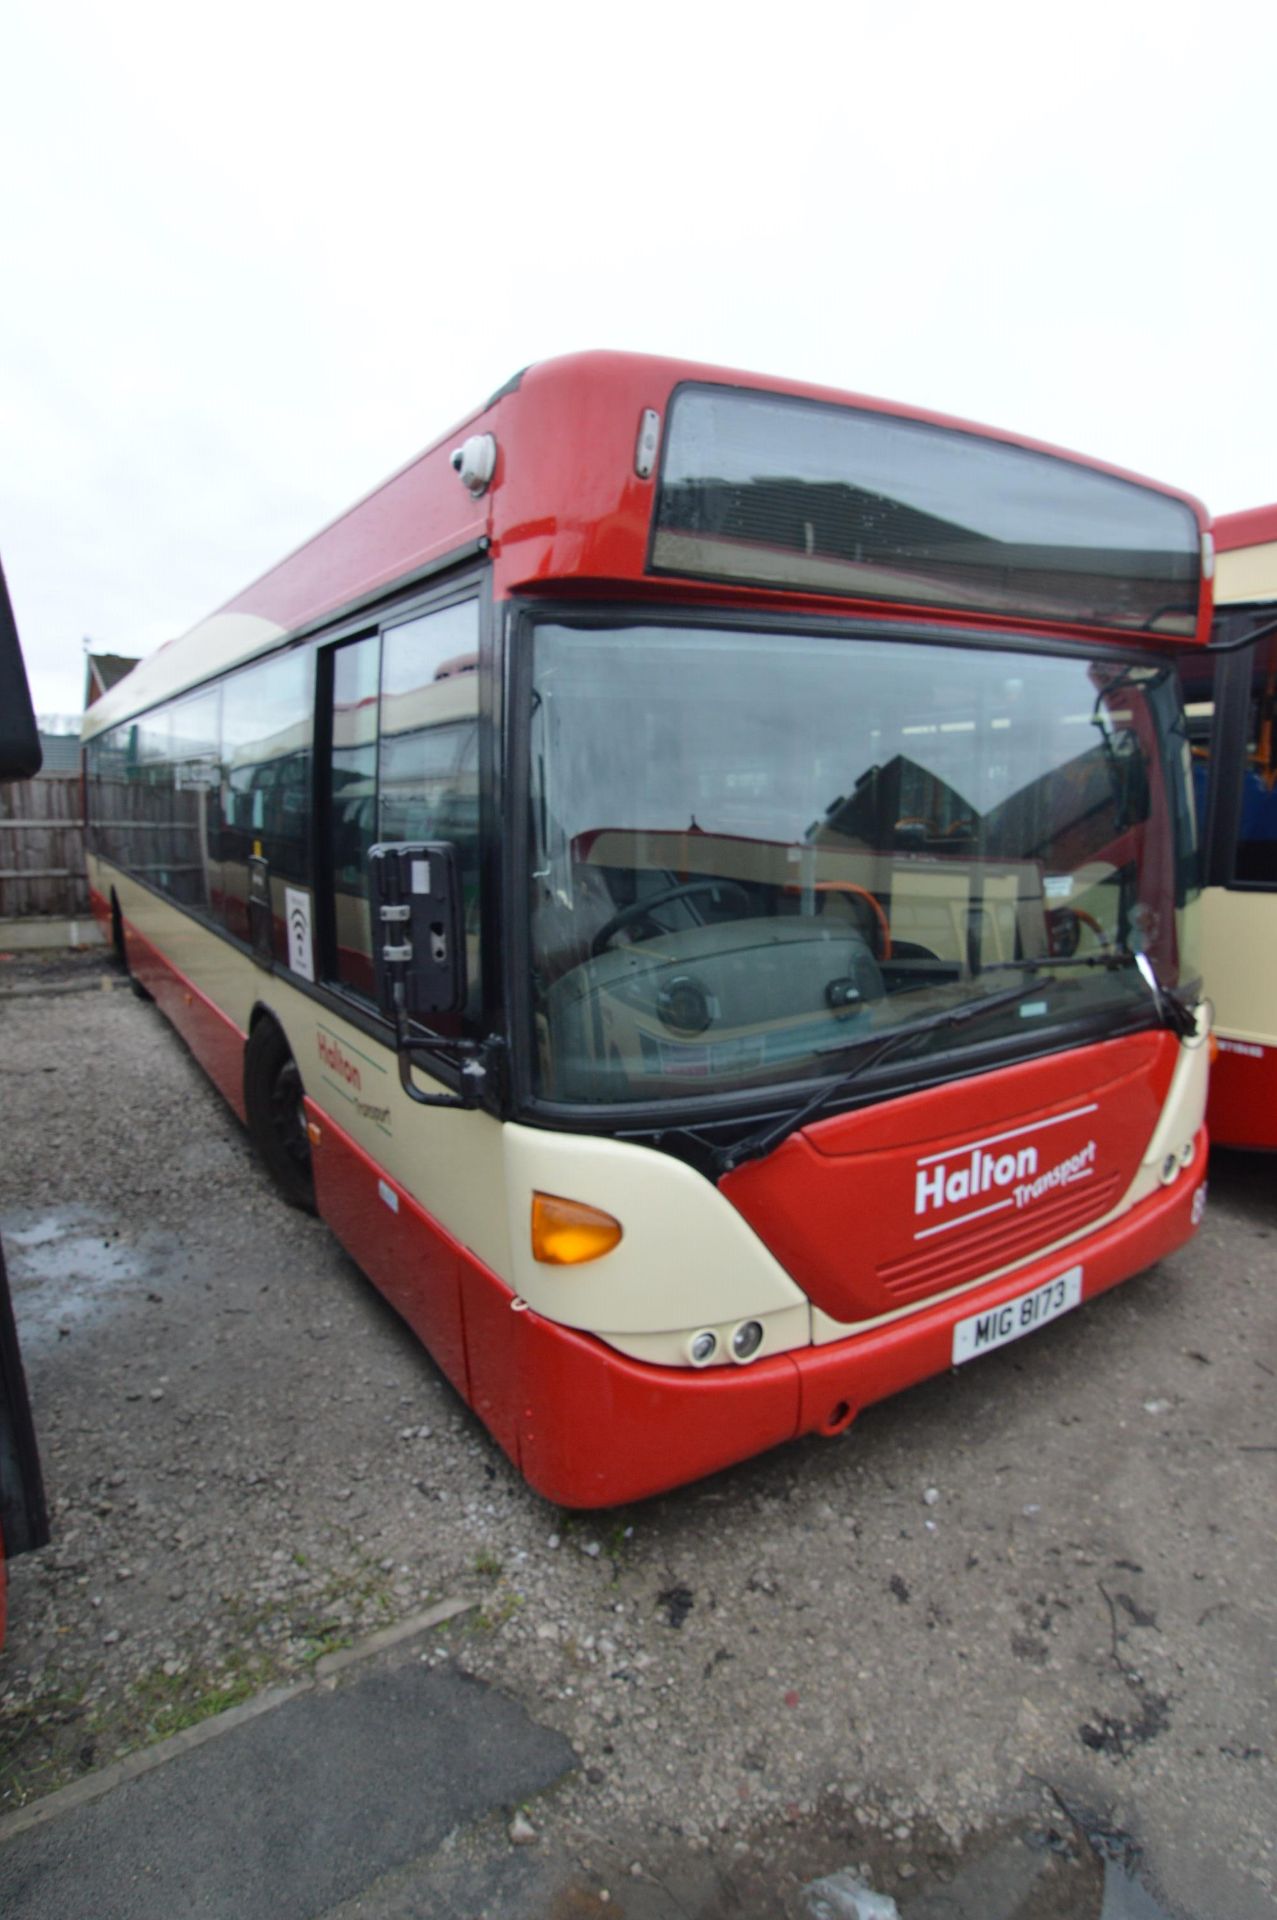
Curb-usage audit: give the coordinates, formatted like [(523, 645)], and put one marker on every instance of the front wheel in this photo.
[(273, 1096)]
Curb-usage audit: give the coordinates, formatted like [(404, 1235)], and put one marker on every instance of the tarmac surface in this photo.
[(1002, 1652), (293, 1812)]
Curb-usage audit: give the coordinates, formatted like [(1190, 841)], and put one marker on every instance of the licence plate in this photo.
[(981, 1332)]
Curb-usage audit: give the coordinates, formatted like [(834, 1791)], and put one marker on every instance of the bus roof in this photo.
[(1246, 544), (565, 502)]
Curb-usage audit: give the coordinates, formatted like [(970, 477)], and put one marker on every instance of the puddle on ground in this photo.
[(49, 1226), (66, 1270), (1126, 1897), (827, 1866)]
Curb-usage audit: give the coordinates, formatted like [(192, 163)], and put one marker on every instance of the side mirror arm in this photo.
[(474, 1056)]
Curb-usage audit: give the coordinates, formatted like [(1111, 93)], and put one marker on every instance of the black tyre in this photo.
[(273, 1094), (117, 934), (121, 952)]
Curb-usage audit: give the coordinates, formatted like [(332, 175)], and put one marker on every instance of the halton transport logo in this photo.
[(340, 1063), (1005, 1171)]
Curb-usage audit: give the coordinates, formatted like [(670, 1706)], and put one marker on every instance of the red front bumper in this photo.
[(588, 1427)]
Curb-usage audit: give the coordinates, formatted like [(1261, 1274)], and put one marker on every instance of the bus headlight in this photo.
[(746, 1340), (702, 1347)]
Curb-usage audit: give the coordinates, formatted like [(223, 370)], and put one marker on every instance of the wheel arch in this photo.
[(283, 1148)]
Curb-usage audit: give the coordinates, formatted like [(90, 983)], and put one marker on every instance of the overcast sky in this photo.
[(259, 254)]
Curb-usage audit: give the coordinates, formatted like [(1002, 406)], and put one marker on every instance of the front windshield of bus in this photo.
[(754, 851)]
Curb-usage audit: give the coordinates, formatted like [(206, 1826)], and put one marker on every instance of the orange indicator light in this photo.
[(567, 1232)]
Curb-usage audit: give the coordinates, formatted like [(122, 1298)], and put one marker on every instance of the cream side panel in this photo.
[(1180, 1122), (1247, 573), (219, 970), (214, 646), (1237, 962), (449, 1161), (1182, 1115), (687, 1258)]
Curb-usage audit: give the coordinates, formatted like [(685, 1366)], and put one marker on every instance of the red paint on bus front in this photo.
[(870, 1211), (566, 503), (871, 1366)]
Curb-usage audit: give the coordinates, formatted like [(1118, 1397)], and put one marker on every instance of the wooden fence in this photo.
[(42, 848)]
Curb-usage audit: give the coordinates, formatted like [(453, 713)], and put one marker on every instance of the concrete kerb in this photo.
[(37, 935), (322, 1678), (37, 989)]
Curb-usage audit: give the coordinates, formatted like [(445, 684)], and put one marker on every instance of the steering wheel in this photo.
[(639, 909)]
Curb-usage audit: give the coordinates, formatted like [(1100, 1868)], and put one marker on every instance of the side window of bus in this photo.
[(1257, 828), (149, 774), (1249, 853), (1197, 689), (428, 786), (264, 788), (352, 815), (196, 733), (115, 797)]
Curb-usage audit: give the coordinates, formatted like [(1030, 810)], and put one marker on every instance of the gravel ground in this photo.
[(1042, 1585)]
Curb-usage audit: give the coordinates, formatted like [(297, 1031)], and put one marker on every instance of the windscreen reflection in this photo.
[(752, 852)]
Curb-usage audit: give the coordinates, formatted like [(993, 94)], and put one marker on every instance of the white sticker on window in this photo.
[(297, 912), (421, 876)]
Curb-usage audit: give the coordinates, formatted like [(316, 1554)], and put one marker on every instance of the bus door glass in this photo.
[(429, 753), (352, 811), (403, 765)]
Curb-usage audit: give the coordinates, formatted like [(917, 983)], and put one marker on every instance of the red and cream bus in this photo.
[(1231, 698), (695, 879)]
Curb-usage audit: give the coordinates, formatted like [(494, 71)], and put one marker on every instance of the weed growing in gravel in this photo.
[(358, 1585), (159, 1704), (616, 1545), (324, 1636), (502, 1607), (31, 1736)]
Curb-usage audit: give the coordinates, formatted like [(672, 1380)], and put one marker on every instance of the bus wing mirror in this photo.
[(417, 933)]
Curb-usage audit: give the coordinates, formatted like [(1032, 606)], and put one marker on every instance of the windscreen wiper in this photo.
[(1174, 1012), (755, 1145)]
